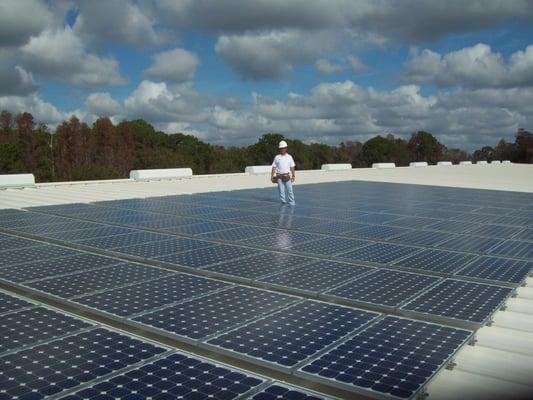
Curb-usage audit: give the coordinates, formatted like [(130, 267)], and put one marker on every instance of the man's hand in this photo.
[(293, 178)]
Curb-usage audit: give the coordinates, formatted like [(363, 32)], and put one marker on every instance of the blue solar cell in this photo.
[(422, 238), (177, 376), (474, 244), (333, 227), (73, 285), (384, 288), (10, 303), (146, 296), (283, 391), (498, 269), (411, 222), (453, 226), (292, 335), (260, 265), (27, 327), (318, 276), (282, 239), (329, 246), (460, 301), (207, 256), (375, 218), (515, 249), (38, 252), (526, 234), (51, 368), (210, 314), (380, 253), (394, 357), (496, 231), (378, 232), (442, 261), (95, 232), (130, 239), (163, 247), (54, 267), (200, 228), (13, 243), (237, 233)]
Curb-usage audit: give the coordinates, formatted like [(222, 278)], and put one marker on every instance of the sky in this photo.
[(228, 71)]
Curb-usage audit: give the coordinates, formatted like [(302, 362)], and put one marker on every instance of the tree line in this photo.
[(76, 151)]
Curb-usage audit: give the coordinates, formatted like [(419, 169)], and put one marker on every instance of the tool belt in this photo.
[(284, 177)]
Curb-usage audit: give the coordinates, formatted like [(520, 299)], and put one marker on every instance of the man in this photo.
[(283, 172)]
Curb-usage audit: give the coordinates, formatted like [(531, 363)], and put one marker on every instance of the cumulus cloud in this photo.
[(60, 54), (477, 66), (102, 104), (272, 54), (42, 111), (177, 65), (326, 67), (15, 80), (19, 20), (97, 22)]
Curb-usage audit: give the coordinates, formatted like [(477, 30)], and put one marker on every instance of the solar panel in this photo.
[(86, 282), (525, 234), (334, 227), (376, 218), (422, 238), (200, 258), (509, 220), (294, 334), (515, 249), (411, 222), (146, 296), (26, 327), (441, 261), (278, 390), (329, 246), (498, 269), (383, 288), (81, 234), (239, 233), (469, 243), (318, 276), (38, 252), (199, 228), (453, 226), (109, 242), (281, 239), (457, 301), (380, 253), (57, 266), (13, 243), (10, 303), (163, 247), (394, 357), (54, 367), (262, 264), (204, 316), (496, 231), (177, 376)]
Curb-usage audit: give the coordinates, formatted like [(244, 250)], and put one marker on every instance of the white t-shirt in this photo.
[(283, 164)]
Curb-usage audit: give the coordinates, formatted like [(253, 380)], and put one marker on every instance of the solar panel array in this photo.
[(175, 266)]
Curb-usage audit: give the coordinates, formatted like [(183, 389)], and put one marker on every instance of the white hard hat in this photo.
[(282, 144)]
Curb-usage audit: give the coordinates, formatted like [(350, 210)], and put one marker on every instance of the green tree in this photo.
[(423, 146), (380, 149)]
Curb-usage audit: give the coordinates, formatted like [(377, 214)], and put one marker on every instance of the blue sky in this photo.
[(229, 71)]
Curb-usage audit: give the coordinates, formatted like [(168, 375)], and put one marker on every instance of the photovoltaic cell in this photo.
[(177, 376), (200, 258), (378, 232), (330, 246), (411, 222), (294, 334), (10, 303), (16, 243), (213, 313), (384, 288), (333, 227), (422, 238), (515, 249), (146, 296), (238, 233), (474, 244), (27, 327), (281, 239), (86, 282), (98, 231), (109, 242), (496, 231), (262, 264), (453, 226), (28, 254), (318, 276), (498, 269), (199, 228), (442, 261), (278, 391), (394, 357), (51, 368), (526, 234), (164, 247), (461, 301), (57, 266), (381, 253), (376, 218)]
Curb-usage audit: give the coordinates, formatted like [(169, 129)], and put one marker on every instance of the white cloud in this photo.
[(356, 64), (42, 111), (15, 80), (326, 67), (477, 66), (177, 65), (21, 19), (60, 54), (102, 104)]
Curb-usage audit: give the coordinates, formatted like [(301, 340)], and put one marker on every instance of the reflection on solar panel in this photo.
[(498, 269), (318, 276), (442, 261), (380, 253), (262, 264), (282, 239), (207, 315), (146, 296), (294, 334), (210, 255), (104, 278), (452, 300), (62, 364), (515, 249), (282, 391), (383, 288), (26, 327), (57, 266), (330, 246), (177, 376), (394, 357), (10, 303)]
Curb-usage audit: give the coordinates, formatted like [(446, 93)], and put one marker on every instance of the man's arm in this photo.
[(273, 173), (293, 174)]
